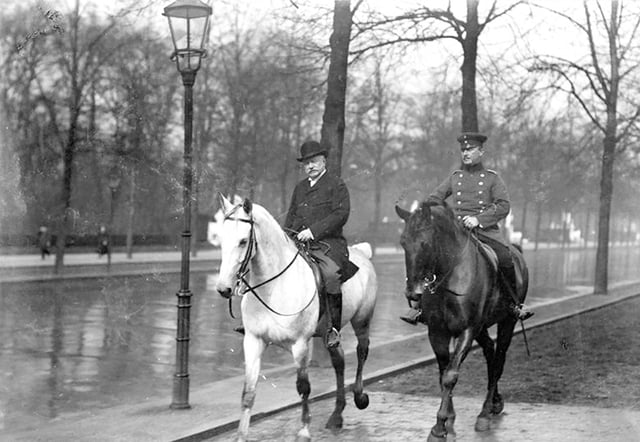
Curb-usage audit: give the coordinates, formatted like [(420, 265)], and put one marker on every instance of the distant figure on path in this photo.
[(103, 242), (44, 241)]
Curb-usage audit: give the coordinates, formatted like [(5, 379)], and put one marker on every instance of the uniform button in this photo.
[(481, 210), (459, 183), (479, 192), (460, 176), (480, 202), (459, 202), (482, 175), (480, 183), (459, 216), (459, 193)]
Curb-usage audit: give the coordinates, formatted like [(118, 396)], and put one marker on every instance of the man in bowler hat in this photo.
[(480, 201), (318, 211)]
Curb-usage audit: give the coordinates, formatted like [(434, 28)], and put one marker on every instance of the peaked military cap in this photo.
[(310, 149), (472, 138)]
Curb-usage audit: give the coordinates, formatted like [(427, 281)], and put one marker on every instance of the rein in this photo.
[(243, 270)]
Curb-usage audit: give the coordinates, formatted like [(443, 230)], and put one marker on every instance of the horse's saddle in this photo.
[(458, 281), (317, 275), (488, 253)]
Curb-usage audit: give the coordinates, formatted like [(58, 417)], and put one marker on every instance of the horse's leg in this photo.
[(253, 349), (488, 349), (362, 350), (300, 351), (337, 360), (446, 415), (505, 333)]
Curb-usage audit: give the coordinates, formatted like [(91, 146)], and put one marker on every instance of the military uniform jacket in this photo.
[(324, 209), (479, 192)]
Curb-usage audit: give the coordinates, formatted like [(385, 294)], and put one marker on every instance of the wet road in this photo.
[(79, 345)]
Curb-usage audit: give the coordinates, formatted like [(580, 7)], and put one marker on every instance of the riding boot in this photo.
[(239, 329), (413, 316), (334, 319), (517, 309)]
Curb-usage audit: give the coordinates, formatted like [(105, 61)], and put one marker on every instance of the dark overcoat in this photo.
[(478, 192), (324, 209)]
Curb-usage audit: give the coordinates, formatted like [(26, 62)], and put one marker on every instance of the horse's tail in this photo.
[(364, 248)]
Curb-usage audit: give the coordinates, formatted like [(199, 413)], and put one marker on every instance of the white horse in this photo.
[(281, 304)]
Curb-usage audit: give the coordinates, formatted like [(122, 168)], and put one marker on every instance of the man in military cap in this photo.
[(480, 201)]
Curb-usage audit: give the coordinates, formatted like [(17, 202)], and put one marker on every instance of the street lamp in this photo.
[(189, 23)]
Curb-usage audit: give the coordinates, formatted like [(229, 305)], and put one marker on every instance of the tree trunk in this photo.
[(469, 105), (604, 215), (523, 224), (587, 227), (132, 211), (608, 158), (538, 222), (333, 121), (69, 148)]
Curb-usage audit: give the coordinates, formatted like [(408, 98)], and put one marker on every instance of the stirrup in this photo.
[(332, 338), (522, 314), (412, 316)]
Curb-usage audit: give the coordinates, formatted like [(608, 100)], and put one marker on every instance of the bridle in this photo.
[(244, 269), (431, 282)]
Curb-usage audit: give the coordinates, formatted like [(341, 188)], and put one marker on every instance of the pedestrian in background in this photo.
[(44, 241), (103, 242)]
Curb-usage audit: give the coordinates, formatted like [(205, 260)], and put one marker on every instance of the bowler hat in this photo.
[(310, 149), (472, 138)]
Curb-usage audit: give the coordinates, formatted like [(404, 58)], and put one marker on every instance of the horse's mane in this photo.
[(443, 217), (447, 231), (262, 217)]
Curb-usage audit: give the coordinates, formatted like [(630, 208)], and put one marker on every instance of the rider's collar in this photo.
[(473, 167)]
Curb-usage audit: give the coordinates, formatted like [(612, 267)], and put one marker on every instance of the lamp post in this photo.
[(189, 23)]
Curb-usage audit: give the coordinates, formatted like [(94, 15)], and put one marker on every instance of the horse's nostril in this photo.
[(412, 295), (225, 293)]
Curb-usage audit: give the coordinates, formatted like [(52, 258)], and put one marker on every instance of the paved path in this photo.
[(215, 408), (405, 417), (30, 267)]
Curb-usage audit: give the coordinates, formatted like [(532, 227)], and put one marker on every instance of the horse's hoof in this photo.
[(435, 438), (303, 435), (334, 422), (361, 400), (483, 424)]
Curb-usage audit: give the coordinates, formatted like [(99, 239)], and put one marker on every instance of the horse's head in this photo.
[(237, 244), (418, 243)]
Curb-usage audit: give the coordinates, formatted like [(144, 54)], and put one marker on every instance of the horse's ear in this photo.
[(247, 205), (425, 210), (225, 204), (404, 214)]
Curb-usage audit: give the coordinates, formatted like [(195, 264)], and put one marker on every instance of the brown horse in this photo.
[(455, 279)]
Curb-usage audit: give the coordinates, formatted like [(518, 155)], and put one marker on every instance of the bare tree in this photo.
[(428, 24), (595, 85), (333, 122)]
